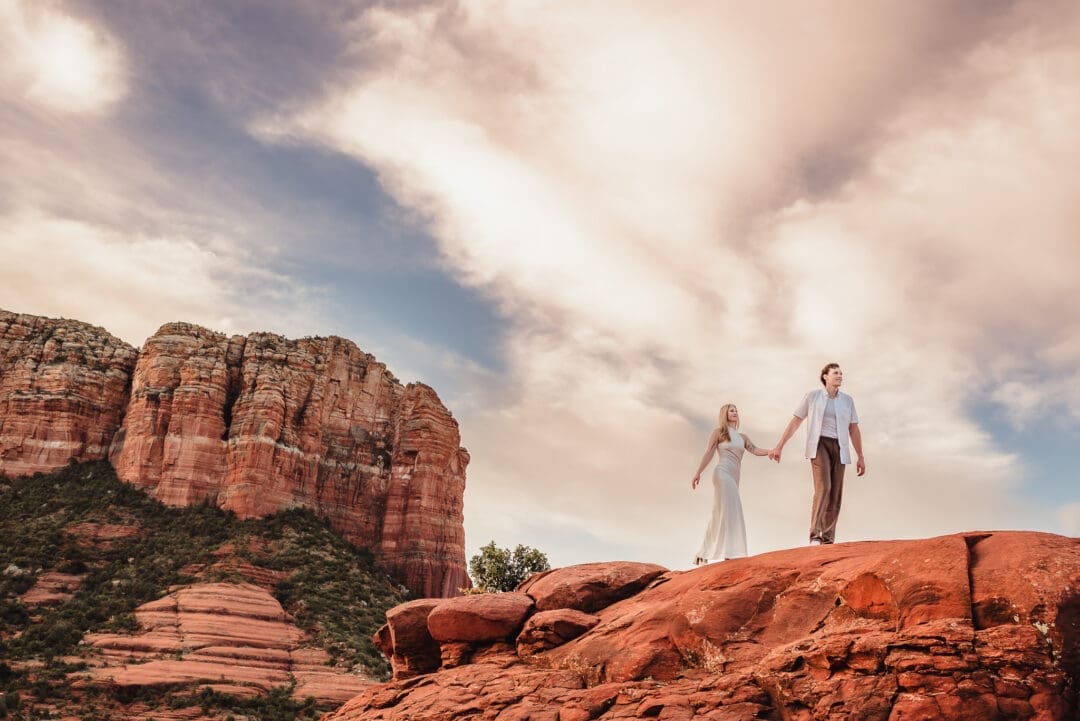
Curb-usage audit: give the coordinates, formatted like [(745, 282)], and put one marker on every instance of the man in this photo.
[(832, 432)]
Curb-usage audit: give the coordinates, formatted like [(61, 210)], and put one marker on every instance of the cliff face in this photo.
[(255, 425), (63, 389), (974, 627)]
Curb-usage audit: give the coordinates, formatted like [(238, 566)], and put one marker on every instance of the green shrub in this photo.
[(497, 569)]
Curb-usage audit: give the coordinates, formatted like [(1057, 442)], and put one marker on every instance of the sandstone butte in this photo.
[(968, 627), (255, 424)]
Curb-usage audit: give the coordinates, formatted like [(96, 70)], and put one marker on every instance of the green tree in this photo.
[(497, 569)]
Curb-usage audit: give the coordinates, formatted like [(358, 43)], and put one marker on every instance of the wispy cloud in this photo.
[(681, 208)]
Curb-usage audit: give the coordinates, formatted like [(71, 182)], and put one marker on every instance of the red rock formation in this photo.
[(255, 424), (262, 423), (63, 389), (971, 626), (234, 638), (52, 587)]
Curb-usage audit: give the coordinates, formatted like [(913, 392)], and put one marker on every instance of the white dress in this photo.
[(726, 535)]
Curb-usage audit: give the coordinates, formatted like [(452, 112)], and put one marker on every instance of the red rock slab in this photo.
[(588, 587), (1029, 580), (309, 657), (328, 687), (736, 612), (168, 672), (244, 599), (52, 588), (199, 630), (248, 656), (142, 712), (147, 643), (480, 617), (236, 647)]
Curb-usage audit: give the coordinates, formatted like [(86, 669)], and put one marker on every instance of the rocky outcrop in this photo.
[(261, 423), (255, 424), (234, 638), (51, 588), (975, 626), (63, 391)]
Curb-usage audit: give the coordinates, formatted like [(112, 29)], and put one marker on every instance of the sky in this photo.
[(588, 225)]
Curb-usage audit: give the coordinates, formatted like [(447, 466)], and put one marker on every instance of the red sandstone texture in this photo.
[(51, 588), (235, 638), (263, 423), (63, 390), (101, 535), (255, 424), (977, 626)]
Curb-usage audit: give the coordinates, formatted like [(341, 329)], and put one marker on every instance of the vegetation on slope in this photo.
[(334, 591)]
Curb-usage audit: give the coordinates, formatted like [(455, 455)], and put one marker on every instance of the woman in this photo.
[(726, 535)]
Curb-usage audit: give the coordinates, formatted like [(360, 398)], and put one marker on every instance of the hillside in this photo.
[(89, 565), (253, 424)]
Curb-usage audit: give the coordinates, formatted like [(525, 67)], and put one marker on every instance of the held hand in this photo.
[(860, 467), (695, 481), (774, 454)]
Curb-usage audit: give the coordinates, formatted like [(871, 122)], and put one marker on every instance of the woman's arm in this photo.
[(751, 447), (709, 450)]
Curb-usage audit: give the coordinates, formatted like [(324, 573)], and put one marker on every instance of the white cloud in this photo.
[(132, 284), (58, 61), (679, 209)]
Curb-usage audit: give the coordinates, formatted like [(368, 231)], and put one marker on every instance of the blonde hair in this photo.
[(725, 436)]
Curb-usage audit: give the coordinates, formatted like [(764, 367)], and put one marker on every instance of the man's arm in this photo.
[(856, 443), (792, 426)]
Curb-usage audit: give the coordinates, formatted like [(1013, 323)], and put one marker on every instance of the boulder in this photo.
[(548, 629), (406, 640), (479, 618), (588, 587)]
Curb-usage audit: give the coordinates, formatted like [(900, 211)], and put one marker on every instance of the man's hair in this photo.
[(825, 371)]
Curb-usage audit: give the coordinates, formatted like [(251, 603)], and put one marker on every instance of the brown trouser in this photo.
[(828, 489)]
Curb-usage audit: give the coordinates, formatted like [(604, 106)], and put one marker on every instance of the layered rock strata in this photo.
[(254, 424), (234, 638), (261, 423), (976, 626), (63, 391)]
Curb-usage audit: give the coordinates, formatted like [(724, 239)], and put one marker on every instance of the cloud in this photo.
[(58, 61), (126, 282), (96, 222), (681, 208)]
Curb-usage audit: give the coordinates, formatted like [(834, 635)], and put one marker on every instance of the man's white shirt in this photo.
[(812, 409)]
